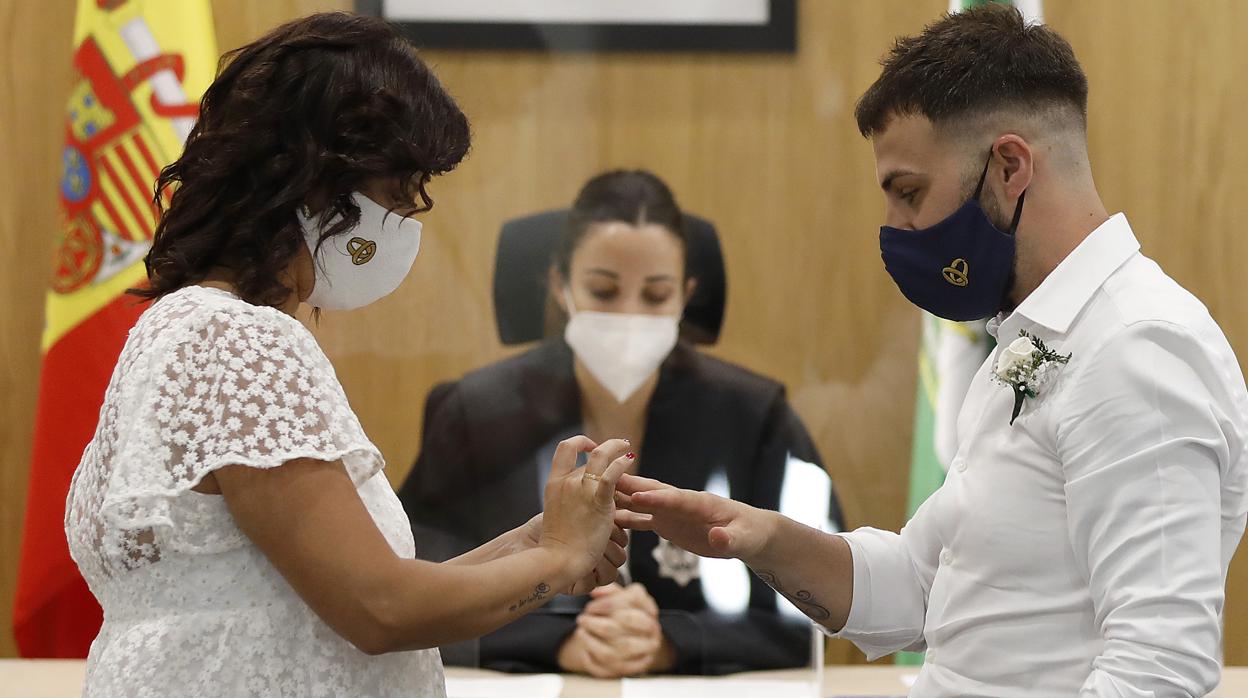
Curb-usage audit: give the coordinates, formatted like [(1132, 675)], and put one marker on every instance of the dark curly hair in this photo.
[(307, 113), (974, 62)]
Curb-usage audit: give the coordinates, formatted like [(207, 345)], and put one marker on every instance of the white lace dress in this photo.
[(191, 607)]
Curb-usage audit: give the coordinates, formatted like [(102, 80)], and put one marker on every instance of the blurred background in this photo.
[(763, 144)]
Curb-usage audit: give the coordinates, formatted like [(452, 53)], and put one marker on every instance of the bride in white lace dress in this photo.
[(230, 514)]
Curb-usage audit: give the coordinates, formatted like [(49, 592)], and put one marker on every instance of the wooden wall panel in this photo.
[(34, 82), (763, 145)]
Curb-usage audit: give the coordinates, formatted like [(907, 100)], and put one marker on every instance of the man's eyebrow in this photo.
[(888, 179)]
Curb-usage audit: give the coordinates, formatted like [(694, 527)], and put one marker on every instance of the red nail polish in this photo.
[(630, 456)]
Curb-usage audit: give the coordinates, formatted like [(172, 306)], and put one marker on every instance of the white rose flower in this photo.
[(1018, 353)]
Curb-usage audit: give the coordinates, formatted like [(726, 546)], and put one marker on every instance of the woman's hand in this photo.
[(529, 535), (607, 569), (618, 634), (579, 510), (612, 599)]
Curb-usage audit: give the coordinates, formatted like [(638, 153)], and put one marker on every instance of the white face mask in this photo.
[(621, 351), (365, 263)]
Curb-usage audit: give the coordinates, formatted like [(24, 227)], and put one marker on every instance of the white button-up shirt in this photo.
[(1082, 550)]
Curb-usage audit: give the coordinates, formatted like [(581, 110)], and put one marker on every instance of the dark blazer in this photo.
[(477, 477)]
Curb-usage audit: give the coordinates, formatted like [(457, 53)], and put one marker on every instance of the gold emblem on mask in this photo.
[(958, 272), (361, 250)]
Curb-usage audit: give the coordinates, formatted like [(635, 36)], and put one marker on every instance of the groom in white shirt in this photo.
[(1080, 543)]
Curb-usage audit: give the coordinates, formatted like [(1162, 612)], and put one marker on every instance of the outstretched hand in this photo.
[(812, 569), (699, 522)]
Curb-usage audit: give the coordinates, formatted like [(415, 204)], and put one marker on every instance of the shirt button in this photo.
[(946, 558), (959, 464)]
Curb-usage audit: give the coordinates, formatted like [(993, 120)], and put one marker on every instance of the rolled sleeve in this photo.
[(892, 576)]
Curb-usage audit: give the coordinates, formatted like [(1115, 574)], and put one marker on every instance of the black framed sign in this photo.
[(595, 25)]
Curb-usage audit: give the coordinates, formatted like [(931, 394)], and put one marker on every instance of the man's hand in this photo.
[(618, 634), (699, 522), (814, 570)]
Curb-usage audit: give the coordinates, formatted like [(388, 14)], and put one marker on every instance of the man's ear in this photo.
[(1017, 162)]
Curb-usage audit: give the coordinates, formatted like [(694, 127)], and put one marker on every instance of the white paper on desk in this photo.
[(536, 686), (715, 688)]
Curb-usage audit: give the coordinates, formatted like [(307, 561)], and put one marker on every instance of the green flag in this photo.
[(950, 353)]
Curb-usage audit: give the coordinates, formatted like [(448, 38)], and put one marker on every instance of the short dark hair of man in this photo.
[(974, 63)]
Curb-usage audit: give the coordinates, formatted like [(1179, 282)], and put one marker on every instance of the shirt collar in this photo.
[(1063, 294)]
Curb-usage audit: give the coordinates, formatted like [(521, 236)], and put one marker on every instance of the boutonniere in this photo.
[(1026, 366)]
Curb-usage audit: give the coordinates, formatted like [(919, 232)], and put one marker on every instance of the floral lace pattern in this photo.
[(191, 607)]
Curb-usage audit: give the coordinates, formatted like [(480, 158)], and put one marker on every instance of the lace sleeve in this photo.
[(230, 388)]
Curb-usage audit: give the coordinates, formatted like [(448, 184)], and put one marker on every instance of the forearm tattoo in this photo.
[(539, 593), (804, 600)]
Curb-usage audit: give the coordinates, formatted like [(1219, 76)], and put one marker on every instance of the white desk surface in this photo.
[(55, 678)]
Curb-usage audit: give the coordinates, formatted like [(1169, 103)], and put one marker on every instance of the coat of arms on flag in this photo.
[(136, 63), (107, 170)]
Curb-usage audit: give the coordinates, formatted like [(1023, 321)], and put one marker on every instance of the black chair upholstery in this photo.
[(527, 245)]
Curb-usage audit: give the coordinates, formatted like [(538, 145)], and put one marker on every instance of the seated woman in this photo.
[(618, 367)]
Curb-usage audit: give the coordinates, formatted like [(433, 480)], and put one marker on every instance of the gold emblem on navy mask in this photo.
[(362, 250), (958, 272)]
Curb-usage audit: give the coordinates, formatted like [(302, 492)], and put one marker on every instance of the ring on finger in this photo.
[(591, 476)]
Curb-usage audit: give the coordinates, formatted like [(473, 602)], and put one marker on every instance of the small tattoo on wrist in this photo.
[(539, 593)]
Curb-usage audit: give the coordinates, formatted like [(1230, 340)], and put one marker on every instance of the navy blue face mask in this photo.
[(960, 268)]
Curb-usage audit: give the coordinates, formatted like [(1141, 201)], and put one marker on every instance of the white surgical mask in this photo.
[(362, 264), (619, 350)]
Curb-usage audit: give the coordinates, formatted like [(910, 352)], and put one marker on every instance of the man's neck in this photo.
[(1046, 245)]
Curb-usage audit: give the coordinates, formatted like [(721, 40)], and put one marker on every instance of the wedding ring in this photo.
[(591, 476)]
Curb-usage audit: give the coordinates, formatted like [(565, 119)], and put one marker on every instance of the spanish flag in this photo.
[(140, 67)]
